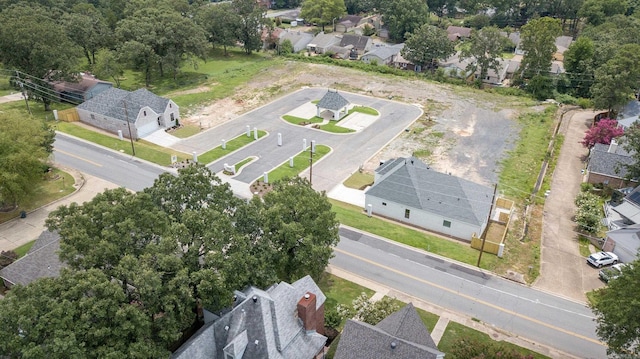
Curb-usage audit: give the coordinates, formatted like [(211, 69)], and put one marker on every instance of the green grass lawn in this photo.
[(186, 131), (242, 163), (300, 163), (353, 216), (299, 120), (340, 291), (144, 150), (23, 249), (519, 171), (365, 110), (231, 145), (359, 180), (456, 332), (55, 186), (333, 127)]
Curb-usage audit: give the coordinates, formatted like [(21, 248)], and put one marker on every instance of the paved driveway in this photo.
[(563, 270), (349, 150)]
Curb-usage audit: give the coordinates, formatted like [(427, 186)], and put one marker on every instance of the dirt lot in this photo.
[(463, 132)]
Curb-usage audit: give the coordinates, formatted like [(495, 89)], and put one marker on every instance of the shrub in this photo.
[(585, 103), (368, 30), (565, 98)]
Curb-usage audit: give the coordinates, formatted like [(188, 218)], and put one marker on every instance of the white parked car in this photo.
[(602, 259)]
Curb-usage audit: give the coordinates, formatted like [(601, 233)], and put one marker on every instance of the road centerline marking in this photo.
[(471, 298), (78, 157)]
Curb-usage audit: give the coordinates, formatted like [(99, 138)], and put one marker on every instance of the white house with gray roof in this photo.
[(400, 335), (407, 190), (144, 111), (382, 54), (286, 321), (624, 242)]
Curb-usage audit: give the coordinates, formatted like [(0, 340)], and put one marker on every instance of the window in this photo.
[(446, 223), (407, 213), (384, 203)]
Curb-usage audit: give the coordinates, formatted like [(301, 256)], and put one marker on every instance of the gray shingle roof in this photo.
[(609, 163), (40, 262), (385, 52), (403, 328), (323, 40), (111, 102), (417, 186), (357, 41), (267, 328), (332, 100)]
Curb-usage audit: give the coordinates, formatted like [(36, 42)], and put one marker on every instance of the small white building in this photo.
[(408, 191), (140, 112), (333, 102)]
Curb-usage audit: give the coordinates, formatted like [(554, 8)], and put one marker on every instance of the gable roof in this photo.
[(299, 38), (628, 237), (562, 43), (353, 19), (357, 41), (111, 102), (415, 185), (40, 262), (87, 81), (400, 335), (265, 328), (459, 31), (323, 40), (332, 100), (385, 52), (603, 162)]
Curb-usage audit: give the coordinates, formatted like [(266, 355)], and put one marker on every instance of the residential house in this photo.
[(137, 114), (382, 54), (334, 102), (299, 39), (455, 33), (360, 43), (562, 44), (400, 335), (348, 23), (629, 114), (322, 42), (270, 37), (454, 66), (401, 63), (495, 77), (629, 208), (624, 242), (40, 262), (607, 165), (408, 191), (286, 321), (86, 88), (342, 53)]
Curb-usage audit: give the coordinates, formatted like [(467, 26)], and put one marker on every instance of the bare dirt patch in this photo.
[(476, 127)]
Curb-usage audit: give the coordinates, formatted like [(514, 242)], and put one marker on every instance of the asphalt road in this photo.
[(538, 316), (349, 151), (123, 170)]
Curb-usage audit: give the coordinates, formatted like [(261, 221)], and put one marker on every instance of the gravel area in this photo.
[(463, 132)]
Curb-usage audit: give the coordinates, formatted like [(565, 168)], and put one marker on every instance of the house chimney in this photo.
[(613, 146), (312, 319)]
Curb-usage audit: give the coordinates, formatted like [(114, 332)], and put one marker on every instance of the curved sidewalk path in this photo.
[(563, 270)]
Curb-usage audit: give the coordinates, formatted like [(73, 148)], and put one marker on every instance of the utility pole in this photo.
[(24, 94), (126, 116), (484, 235)]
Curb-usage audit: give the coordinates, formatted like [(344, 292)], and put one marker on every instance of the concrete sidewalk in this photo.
[(19, 231)]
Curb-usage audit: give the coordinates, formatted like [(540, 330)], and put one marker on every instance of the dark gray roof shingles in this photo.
[(609, 163), (40, 262), (332, 100), (417, 186), (111, 103)]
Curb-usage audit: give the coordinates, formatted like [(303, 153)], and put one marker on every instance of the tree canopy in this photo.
[(25, 144), (538, 41), (616, 307), (427, 45), (604, 131), (485, 48), (616, 82), (404, 17), (323, 12), (152, 256)]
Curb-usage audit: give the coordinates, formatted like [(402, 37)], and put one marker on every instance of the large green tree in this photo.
[(88, 29), (220, 23), (538, 41), (404, 17), (159, 37), (616, 82), (485, 48), (578, 62), (323, 12), (631, 143), (25, 144), (617, 309), (427, 45), (252, 22), (597, 11), (32, 41)]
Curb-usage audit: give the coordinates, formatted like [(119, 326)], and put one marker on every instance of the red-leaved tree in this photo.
[(603, 131)]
